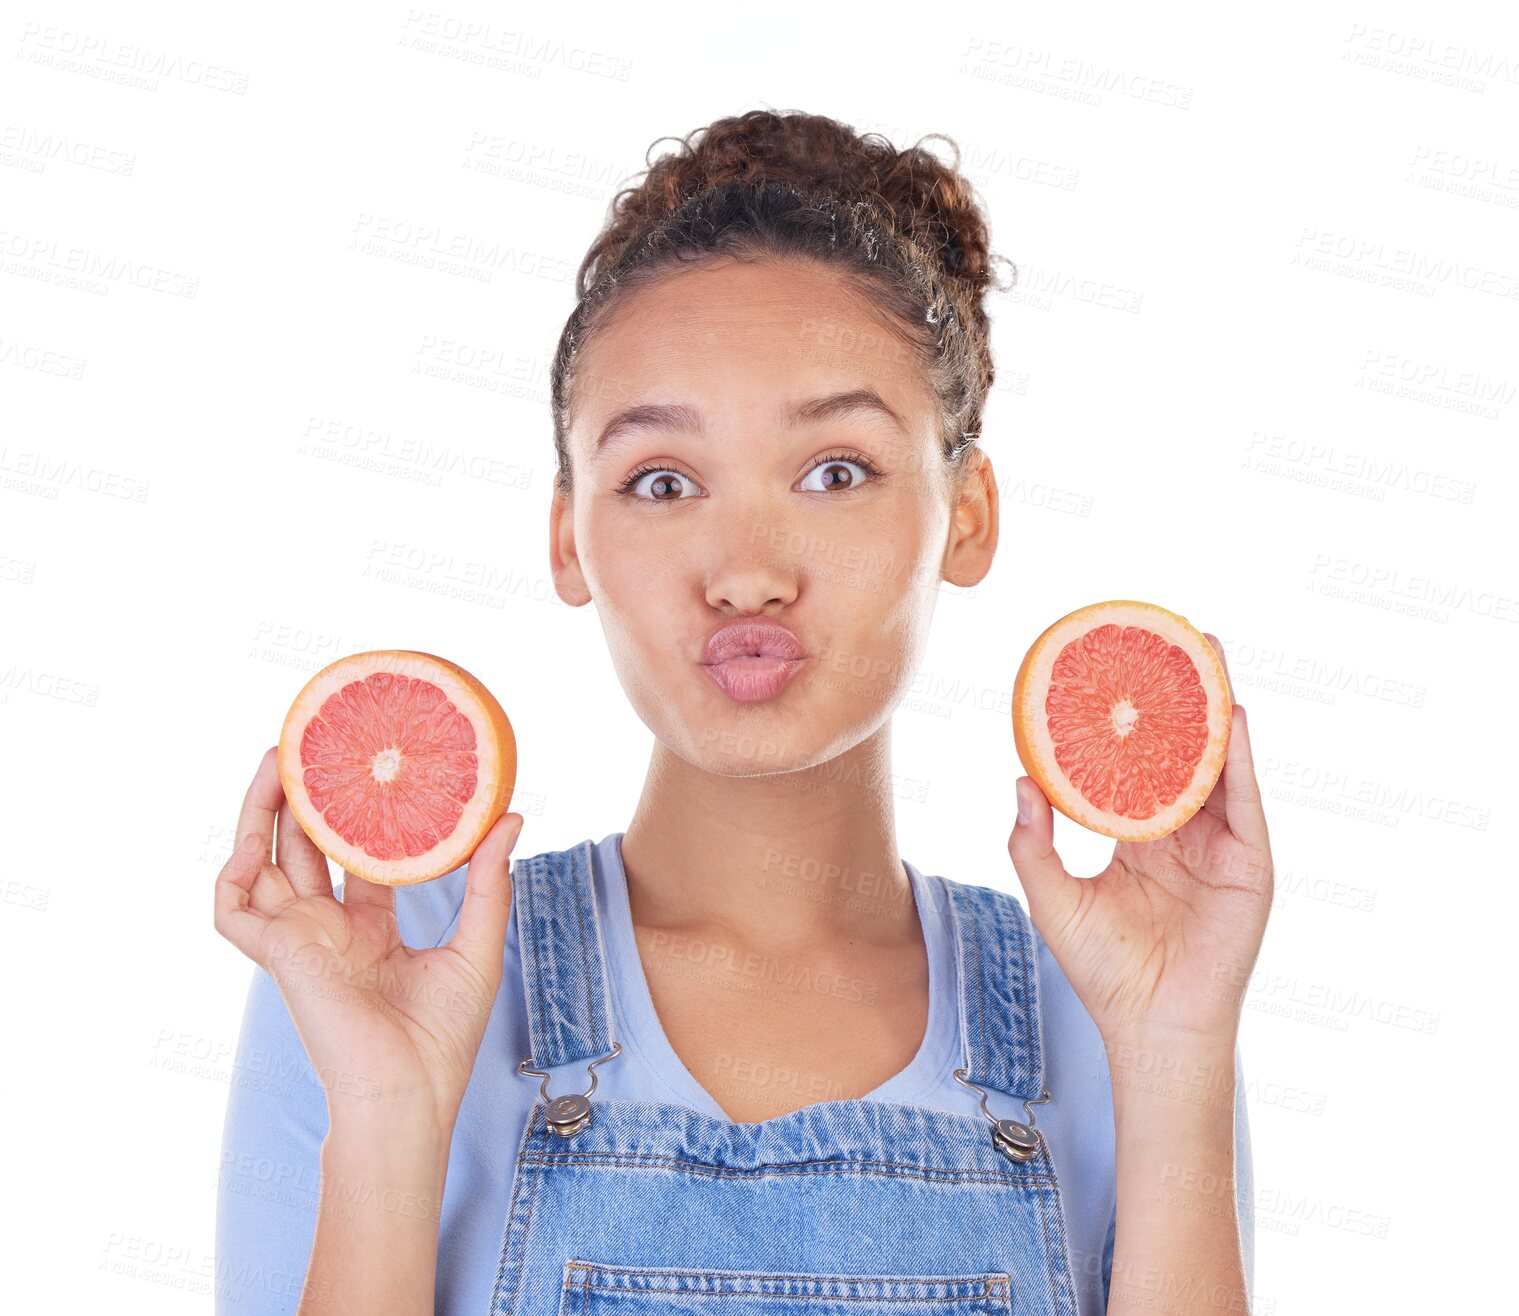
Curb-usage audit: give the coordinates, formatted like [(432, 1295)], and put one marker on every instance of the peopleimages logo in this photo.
[(114, 61), (1323, 1003), (1401, 268)]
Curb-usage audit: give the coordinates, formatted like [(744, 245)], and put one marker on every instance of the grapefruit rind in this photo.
[(495, 751), (1036, 750)]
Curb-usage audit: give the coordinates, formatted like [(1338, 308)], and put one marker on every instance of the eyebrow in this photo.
[(687, 420)]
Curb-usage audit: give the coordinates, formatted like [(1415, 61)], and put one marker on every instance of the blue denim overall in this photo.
[(837, 1209)]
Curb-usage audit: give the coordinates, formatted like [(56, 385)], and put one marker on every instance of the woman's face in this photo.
[(838, 523)]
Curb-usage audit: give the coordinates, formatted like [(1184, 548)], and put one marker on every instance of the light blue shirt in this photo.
[(277, 1111)]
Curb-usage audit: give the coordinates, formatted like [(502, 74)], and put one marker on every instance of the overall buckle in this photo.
[(1017, 1141), (570, 1113)]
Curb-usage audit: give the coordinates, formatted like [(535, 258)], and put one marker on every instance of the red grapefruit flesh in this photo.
[(1121, 713), (396, 764)]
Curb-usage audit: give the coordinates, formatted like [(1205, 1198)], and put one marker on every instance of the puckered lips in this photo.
[(753, 659)]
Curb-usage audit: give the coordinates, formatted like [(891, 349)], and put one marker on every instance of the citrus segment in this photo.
[(1121, 714), (396, 763)]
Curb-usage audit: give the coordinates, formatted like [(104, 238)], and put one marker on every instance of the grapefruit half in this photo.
[(1121, 713), (396, 763)]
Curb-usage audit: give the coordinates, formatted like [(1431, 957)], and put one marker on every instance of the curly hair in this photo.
[(903, 224)]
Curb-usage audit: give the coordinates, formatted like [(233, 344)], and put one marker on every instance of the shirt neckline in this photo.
[(643, 1032)]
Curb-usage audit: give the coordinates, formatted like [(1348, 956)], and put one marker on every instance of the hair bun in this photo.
[(915, 192)]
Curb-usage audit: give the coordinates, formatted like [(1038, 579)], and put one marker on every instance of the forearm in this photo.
[(375, 1248), (1176, 1248)]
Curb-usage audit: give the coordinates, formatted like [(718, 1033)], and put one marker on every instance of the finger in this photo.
[(260, 805), (360, 893), (298, 857), (1246, 814), (235, 917), (1053, 894), (268, 888), (481, 935)]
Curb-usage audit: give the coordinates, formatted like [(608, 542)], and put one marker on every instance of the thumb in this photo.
[(488, 897), (1053, 894)]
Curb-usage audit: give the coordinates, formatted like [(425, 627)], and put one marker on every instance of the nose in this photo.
[(750, 577)]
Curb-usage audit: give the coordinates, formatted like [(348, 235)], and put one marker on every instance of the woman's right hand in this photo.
[(389, 1030)]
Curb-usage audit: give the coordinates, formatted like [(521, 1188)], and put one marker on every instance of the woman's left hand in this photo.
[(1161, 943)]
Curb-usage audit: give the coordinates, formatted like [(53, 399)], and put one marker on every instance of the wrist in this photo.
[(1169, 1074), (404, 1136), (1172, 1039), (394, 1172)]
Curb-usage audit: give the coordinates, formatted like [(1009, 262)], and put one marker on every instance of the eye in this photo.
[(666, 487), (835, 476)]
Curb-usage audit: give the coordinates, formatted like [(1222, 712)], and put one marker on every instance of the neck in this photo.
[(780, 862)]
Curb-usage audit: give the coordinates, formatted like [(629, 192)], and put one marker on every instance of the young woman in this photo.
[(742, 1056)]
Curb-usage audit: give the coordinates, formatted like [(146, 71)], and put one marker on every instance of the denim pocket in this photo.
[(594, 1289)]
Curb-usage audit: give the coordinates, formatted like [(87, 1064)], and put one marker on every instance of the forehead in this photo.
[(735, 335)]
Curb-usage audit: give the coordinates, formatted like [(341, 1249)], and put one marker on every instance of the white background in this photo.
[(1259, 368)]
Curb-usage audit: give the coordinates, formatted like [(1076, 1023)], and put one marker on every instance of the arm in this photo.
[(376, 1240), (1178, 1245), (1244, 1177), (1160, 947), (311, 1217), (381, 1037)]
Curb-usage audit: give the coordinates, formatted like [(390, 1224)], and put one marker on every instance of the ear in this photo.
[(972, 541), (569, 580)]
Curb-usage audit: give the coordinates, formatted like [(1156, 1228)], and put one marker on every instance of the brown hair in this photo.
[(905, 225)]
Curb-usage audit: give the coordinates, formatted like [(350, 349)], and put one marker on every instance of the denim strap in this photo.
[(1000, 1027), (563, 963)]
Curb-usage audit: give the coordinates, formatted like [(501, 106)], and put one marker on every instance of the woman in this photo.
[(743, 1056)]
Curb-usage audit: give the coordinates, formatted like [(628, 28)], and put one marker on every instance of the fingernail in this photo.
[(1025, 808)]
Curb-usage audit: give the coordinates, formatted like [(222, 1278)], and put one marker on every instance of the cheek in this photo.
[(619, 565), (644, 615), (875, 642), (637, 632)]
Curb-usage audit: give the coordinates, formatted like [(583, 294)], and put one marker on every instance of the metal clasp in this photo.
[(568, 1114), (1017, 1141)]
